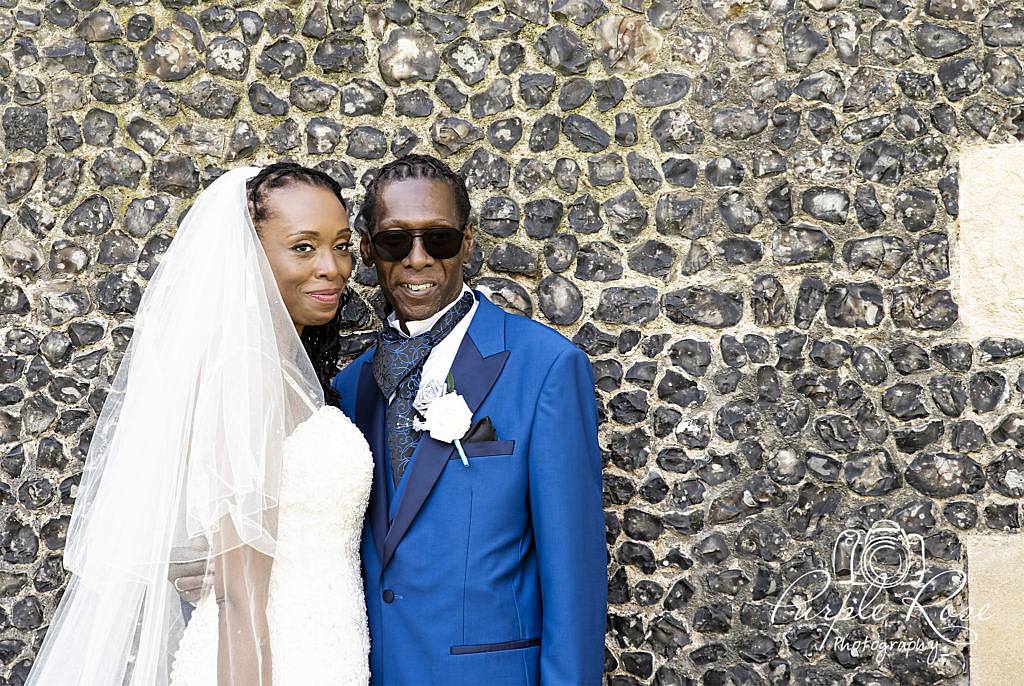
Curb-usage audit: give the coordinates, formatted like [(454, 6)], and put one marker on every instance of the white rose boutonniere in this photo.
[(446, 416)]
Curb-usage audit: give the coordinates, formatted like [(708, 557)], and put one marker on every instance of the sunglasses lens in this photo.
[(392, 245), (442, 244)]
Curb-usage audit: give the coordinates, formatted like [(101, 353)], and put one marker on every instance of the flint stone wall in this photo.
[(742, 210)]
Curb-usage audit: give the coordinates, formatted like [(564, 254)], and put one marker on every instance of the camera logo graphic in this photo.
[(883, 556)]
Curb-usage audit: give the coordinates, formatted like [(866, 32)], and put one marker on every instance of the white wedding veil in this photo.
[(185, 461)]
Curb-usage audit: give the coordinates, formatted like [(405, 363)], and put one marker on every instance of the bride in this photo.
[(215, 446)]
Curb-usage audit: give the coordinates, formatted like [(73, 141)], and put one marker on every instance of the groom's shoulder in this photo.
[(349, 374), (541, 340)]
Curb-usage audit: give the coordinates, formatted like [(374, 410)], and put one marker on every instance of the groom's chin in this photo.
[(412, 307)]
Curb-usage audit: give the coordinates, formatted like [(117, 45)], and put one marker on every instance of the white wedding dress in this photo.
[(316, 611)]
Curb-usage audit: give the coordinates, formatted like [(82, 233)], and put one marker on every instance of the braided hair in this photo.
[(413, 166), (322, 343)]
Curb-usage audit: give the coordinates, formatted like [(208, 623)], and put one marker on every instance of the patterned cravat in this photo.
[(397, 367)]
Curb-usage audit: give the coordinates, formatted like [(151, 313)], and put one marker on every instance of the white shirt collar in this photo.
[(424, 325)]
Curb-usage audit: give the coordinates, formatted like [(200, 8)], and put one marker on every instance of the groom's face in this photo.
[(419, 285)]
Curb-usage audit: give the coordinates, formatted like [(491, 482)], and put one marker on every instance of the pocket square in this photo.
[(482, 430)]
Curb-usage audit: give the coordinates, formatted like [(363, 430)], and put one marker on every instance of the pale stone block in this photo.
[(988, 257), (995, 564)]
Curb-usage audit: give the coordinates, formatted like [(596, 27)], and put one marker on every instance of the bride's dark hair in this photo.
[(322, 343)]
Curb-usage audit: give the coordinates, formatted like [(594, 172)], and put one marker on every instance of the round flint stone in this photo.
[(542, 217), (626, 129), (451, 134), (510, 57), (362, 96), (343, 52), (408, 54), (652, 258), (1005, 474), (604, 170), (118, 167), (499, 216), (724, 171), (627, 305), (916, 208), (468, 58), (881, 161), (937, 41), (169, 55), (801, 244), (536, 90), (404, 142), (366, 143), (1003, 26), (661, 89), (644, 174), (174, 174), (118, 293), (560, 252), (560, 300), (945, 475), (450, 95), (147, 135), (703, 306), (310, 95), (739, 211), (149, 257), (25, 128), (531, 174), (211, 100), (415, 103), (507, 295), (626, 216), (574, 93), (484, 169), (738, 123), (503, 134), (675, 131), (227, 57), (510, 258), (145, 213), (856, 305), (960, 78), (827, 204), (585, 134), (545, 133), (608, 93), (562, 49), (67, 258), (218, 19), (139, 27), (496, 98), (567, 174), (599, 261), (92, 216)]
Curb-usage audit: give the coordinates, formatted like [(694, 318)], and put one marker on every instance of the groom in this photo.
[(484, 562)]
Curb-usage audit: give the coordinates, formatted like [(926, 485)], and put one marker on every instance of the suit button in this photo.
[(389, 596)]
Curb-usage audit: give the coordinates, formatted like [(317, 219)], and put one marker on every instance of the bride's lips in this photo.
[(328, 297)]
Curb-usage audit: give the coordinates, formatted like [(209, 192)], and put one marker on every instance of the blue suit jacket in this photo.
[(493, 573)]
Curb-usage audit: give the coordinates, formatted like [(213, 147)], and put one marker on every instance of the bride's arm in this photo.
[(242, 583)]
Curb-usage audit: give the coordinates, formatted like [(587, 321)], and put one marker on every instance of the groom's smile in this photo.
[(421, 213)]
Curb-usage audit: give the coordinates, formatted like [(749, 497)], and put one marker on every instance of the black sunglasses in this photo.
[(441, 243)]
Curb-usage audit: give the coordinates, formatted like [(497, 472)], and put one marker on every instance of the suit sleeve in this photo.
[(568, 523)]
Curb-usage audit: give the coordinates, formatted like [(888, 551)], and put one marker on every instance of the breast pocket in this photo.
[(486, 449)]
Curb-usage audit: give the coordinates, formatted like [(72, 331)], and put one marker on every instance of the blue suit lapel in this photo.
[(474, 375), (370, 418)]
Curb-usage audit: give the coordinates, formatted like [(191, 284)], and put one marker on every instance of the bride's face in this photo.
[(307, 240)]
